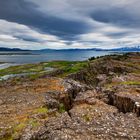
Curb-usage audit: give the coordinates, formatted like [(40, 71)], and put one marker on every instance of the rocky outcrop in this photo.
[(125, 102), (109, 110), (90, 118), (71, 89), (102, 70)]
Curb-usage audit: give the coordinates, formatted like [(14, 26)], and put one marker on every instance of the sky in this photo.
[(64, 24)]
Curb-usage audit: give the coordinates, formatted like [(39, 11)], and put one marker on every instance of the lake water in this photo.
[(38, 56)]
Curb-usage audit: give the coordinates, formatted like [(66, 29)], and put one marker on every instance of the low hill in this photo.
[(11, 49)]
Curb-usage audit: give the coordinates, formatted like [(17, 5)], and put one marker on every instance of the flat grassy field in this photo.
[(44, 68)]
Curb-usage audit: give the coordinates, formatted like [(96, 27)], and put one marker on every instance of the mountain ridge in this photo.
[(11, 49), (137, 48)]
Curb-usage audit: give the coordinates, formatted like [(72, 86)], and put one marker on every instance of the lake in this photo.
[(42, 56)]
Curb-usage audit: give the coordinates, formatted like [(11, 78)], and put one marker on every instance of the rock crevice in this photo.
[(125, 103)]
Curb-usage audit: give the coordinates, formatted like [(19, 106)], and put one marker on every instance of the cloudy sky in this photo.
[(62, 24)]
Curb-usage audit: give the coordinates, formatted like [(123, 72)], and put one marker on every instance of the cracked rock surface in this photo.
[(101, 102)]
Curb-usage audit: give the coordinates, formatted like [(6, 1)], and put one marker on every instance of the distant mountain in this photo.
[(94, 49), (127, 49), (11, 49)]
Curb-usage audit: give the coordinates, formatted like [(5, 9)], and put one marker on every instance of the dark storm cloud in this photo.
[(27, 38), (26, 13), (117, 35), (117, 16), (69, 23)]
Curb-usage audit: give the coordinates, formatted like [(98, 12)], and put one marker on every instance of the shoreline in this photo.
[(5, 65)]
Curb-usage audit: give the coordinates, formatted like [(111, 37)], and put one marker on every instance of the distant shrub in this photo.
[(92, 58)]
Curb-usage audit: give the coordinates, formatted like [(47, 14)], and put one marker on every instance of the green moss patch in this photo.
[(35, 71), (131, 83), (41, 110)]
